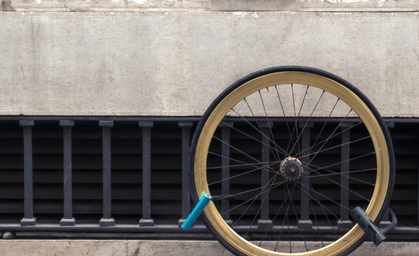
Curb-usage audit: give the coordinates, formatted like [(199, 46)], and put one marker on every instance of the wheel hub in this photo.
[(291, 168)]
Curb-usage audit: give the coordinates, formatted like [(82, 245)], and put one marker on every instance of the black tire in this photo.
[(289, 79)]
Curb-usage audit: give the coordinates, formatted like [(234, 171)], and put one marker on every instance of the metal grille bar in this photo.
[(225, 170), (264, 221), (305, 222), (28, 219), (68, 219), (146, 220), (186, 130)]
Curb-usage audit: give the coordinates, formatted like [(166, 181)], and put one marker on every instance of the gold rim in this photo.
[(292, 77)]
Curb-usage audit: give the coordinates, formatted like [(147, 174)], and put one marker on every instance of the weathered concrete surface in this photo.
[(162, 248), (169, 63), (212, 5), (312, 5)]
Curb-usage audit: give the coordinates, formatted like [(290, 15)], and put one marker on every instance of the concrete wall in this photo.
[(174, 57), (212, 5), (165, 248)]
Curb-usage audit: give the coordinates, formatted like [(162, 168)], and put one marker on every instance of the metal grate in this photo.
[(129, 174)]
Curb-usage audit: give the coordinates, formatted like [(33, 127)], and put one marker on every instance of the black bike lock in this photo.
[(366, 224)]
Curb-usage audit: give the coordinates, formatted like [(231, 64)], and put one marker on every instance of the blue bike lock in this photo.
[(205, 198)]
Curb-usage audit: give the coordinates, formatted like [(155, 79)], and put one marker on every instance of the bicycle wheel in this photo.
[(286, 153)]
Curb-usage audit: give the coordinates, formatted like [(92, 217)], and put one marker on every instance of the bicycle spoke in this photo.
[(270, 128), (251, 199), (344, 187), (238, 175), (330, 137), (273, 220), (315, 219), (302, 185), (295, 122), (283, 111), (347, 160), (324, 125), (237, 165), (323, 208), (340, 173), (247, 191), (286, 216), (262, 201), (258, 130), (238, 150), (251, 137), (238, 161), (302, 130), (337, 146), (296, 216)]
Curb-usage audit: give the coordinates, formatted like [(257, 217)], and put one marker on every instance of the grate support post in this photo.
[(146, 220), (305, 222), (186, 140), (68, 219), (264, 221), (107, 220), (28, 219)]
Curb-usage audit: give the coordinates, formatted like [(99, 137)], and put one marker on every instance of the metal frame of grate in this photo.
[(129, 175)]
